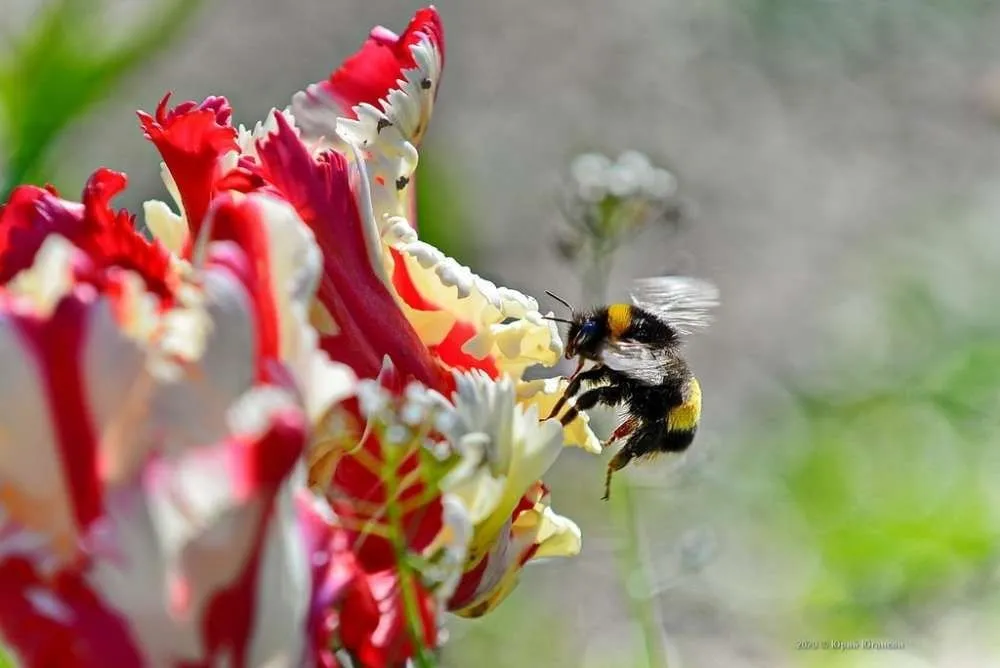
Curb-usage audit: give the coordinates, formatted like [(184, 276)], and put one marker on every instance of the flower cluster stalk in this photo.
[(394, 513), (635, 562)]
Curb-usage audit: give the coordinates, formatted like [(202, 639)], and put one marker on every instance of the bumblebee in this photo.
[(638, 366)]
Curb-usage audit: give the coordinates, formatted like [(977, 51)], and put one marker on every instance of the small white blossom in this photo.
[(373, 399)]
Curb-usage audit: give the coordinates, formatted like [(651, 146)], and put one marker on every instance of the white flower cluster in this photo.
[(596, 177), (419, 418), (411, 418), (605, 200)]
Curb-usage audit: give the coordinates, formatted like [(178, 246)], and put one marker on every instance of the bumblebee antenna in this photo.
[(560, 300), (555, 319)]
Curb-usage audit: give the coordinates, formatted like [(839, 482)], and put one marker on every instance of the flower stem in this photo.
[(637, 581), (597, 273), (638, 585)]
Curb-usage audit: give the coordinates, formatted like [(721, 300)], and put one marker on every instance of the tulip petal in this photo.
[(192, 139), (518, 450), (491, 323), (416, 58), (174, 527), (53, 361), (369, 323), (108, 238), (543, 394), (190, 546)]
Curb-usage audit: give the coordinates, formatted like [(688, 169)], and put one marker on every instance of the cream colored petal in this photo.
[(540, 444), (555, 535), (165, 225), (118, 389), (171, 186), (389, 131), (543, 394), (247, 138), (171, 560), (137, 310), (453, 540), (431, 326), (322, 320), (296, 265), (502, 571), (451, 286), (49, 278), (326, 384), (283, 592), (480, 493), (133, 579), (521, 344), (111, 368), (183, 533), (508, 327)]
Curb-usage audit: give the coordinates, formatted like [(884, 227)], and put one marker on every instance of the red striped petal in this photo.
[(60, 621), (370, 322), (369, 74), (56, 344), (108, 237), (449, 350), (239, 219), (228, 618)]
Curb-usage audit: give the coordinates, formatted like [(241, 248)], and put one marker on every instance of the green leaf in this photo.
[(61, 69)]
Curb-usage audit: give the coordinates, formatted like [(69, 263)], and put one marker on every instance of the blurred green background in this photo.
[(841, 160)]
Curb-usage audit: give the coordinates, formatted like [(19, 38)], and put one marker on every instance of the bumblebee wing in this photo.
[(636, 361), (683, 303)]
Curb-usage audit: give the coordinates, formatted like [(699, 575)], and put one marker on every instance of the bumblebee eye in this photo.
[(588, 329)]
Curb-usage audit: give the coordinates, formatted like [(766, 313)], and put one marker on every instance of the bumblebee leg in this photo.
[(589, 376), (623, 430), (617, 463), (641, 442), (609, 395)]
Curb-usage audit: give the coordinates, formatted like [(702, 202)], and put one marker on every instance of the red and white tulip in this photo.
[(283, 427)]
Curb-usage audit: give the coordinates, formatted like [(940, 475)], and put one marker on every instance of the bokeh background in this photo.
[(840, 167)]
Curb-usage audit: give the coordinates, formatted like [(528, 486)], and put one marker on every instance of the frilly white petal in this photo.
[(514, 447), (508, 327), (247, 138)]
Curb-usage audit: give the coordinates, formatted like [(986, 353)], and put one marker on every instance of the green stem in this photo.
[(597, 272), (643, 606), (397, 533), (638, 585)]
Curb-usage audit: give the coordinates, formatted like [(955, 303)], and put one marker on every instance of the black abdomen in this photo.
[(677, 441)]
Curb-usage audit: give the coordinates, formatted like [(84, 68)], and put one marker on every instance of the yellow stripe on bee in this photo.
[(619, 319), (685, 417)]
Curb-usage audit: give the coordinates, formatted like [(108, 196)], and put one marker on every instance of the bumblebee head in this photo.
[(587, 331), (587, 335)]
